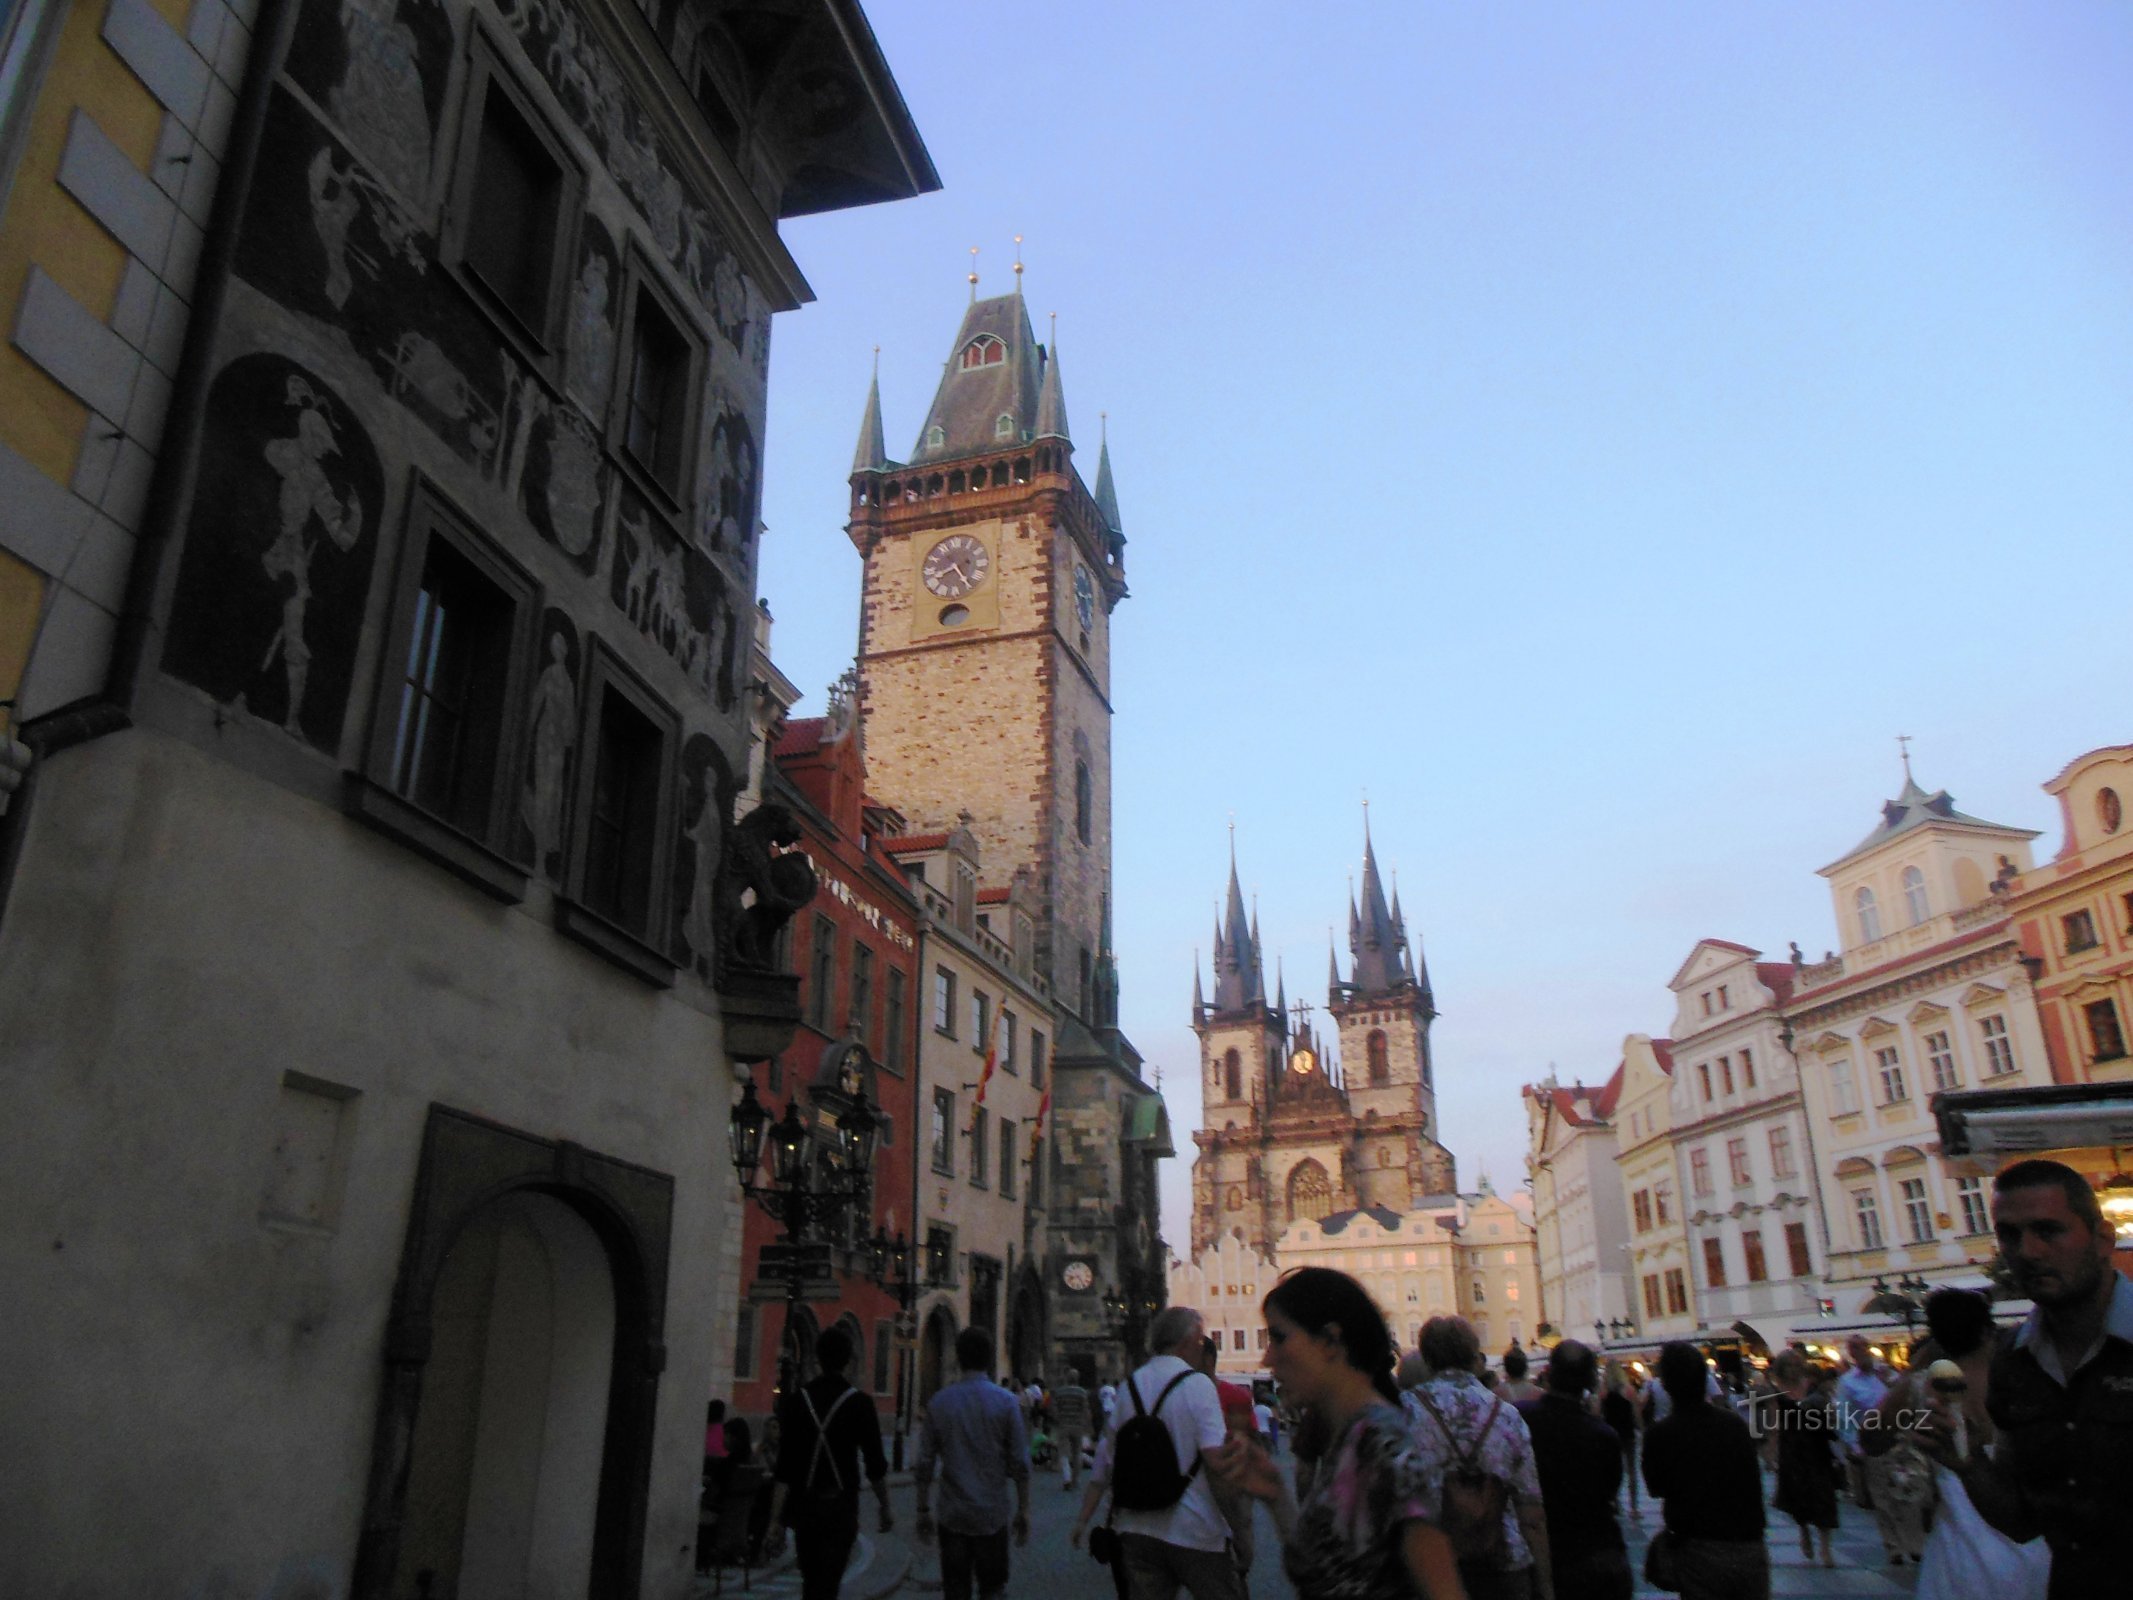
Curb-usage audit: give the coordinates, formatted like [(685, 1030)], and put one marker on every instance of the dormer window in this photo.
[(1004, 428), (936, 436), (983, 351)]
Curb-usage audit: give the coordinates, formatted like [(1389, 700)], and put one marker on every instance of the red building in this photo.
[(856, 950)]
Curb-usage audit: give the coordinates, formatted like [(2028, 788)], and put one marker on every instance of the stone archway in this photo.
[(936, 1352)]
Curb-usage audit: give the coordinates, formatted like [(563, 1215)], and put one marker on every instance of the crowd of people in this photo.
[(1997, 1459)]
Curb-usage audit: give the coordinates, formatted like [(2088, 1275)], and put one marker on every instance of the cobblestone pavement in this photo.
[(1050, 1569)]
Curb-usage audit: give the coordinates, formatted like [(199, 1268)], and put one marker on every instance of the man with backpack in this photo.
[(1481, 1472), (1171, 1533), (826, 1430)]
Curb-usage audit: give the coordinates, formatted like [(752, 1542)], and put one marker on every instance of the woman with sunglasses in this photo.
[(1362, 1532)]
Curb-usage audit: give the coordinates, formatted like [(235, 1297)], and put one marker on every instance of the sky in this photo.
[(1595, 433)]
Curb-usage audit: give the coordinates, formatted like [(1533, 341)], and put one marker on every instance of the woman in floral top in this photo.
[(1362, 1531)]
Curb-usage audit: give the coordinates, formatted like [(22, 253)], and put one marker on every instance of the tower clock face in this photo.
[(1303, 1063), (956, 566), (1084, 598), (1077, 1276)]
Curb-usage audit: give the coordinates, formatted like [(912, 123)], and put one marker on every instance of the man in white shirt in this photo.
[(1184, 1545)]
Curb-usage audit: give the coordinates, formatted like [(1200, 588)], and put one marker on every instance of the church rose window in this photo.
[(1310, 1193)]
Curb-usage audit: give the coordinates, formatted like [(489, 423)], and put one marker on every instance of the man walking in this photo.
[(975, 1440), (1469, 1438), (1070, 1425), (825, 1430), (1859, 1394), (1183, 1543), (1580, 1464), (2061, 1387)]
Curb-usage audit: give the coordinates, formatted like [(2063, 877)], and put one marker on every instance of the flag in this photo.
[(992, 1060)]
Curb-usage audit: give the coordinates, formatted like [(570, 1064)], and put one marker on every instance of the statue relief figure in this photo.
[(380, 101), (763, 880), (555, 734), (589, 342), (306, 496)]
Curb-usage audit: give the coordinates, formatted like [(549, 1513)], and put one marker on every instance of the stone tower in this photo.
[(984, 653), (1241, 1040)]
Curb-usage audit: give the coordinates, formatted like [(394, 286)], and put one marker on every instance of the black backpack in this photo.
[(1144, 1458)]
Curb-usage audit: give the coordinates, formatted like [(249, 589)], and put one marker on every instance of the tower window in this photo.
[(983, 351), (1233, 1075), (1380, 1065), (1869, 914), (1914, 895), (1084, 796), (1004, 427), (936, 436)]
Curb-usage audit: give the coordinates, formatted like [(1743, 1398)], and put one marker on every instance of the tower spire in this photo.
[(1235, 944), (1018, 263), (1199, 1001), (973, 274), (1333, 971), (873, 452), (1281, 990), (1051, 401), (1375, 941), (1106, 490)]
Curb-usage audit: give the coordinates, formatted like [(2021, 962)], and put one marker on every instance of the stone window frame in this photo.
[(488, 859), (642, 280), (642, 951), (490, 70)]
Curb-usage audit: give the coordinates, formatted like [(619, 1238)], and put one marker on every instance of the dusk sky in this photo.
[(1594, 431)]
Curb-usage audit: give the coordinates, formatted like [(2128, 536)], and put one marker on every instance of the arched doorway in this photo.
[(506, 1465), (936, 1352), (1027, 1344)]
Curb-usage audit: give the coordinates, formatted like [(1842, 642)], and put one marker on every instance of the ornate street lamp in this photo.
[(1114, 1306)]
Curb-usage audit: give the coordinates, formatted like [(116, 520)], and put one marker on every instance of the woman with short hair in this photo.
[(1700, 1460)]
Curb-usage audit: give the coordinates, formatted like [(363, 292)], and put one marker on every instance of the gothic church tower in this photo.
[(992, 572)]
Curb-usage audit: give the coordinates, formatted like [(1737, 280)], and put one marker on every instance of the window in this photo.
[(821, 974), (458, 656), (1699, 1172), (1940, 1061), (944, 1002), (1970, 1197), (1705, 997), (1008, 1129), (1007, 1041), (1781, 1151), (1714, 1264), (860, 1013), (1917, 1210), (1036, 1059), (892, 1022), (1725, 1074), (624, 793), (516, 195), (1914, 895), (1751, 1243), (1869, 915), (1843, 1096), (1703, 1077), (1677, 1291), (1003, 426), (1747, 1068), (944, 1132), (1803, 1265), (1999, 1049), (1737, 1162), (657, 391), (983, 351), (2080, 928), (744, 1343), (1233, 1075), (1380, 1066), (1723, 1003), (980, 1146), (936, 436), (1641, 1205), (1890, 1066), (980, 1021), (1663, 1203), (1084, 802), (1651, 1294), (1236, 1338), (1867, 1214), (1481, 1293), (2106, 1038)]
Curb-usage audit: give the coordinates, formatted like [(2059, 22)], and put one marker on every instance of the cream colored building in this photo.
[(976, 1213), (1658, 1253), (1929, 995), (1742, 1147), (1580, 1235), (1227, 1282)]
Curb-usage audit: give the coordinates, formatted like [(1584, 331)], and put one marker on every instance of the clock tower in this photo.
[(992, 572)]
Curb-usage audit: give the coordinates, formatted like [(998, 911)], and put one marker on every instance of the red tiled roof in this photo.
[(1663, 1052), (802, 737), (1990, 930), (993, 897), (911, 844), (1603, 1103), (1776, 976)]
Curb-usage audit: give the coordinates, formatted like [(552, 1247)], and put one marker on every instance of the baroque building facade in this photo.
[(993, 572), (1295, 1133), (378, 946), (1579, 1231)]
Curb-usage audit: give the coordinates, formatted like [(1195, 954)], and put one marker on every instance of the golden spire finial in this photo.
[(973, 274), (1018, 263)]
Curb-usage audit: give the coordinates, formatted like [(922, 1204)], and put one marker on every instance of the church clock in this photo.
[(1084, 597), (956, 566)]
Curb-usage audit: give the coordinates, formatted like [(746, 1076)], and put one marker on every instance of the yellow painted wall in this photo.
[(44, 225), (21, 594)]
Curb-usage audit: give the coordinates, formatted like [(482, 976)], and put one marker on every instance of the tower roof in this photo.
[(1051, 400), (1374, 939), (995, 369), (1237, 982), (1106, 490), (1913, 809), (873, 451)]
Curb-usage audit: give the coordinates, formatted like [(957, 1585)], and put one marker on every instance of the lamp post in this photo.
[(895, 1265)]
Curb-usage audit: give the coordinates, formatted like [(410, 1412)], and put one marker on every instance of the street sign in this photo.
[(808, 1262)]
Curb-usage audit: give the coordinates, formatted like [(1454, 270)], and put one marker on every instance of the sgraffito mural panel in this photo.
[(707, 791), (279, 549)]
